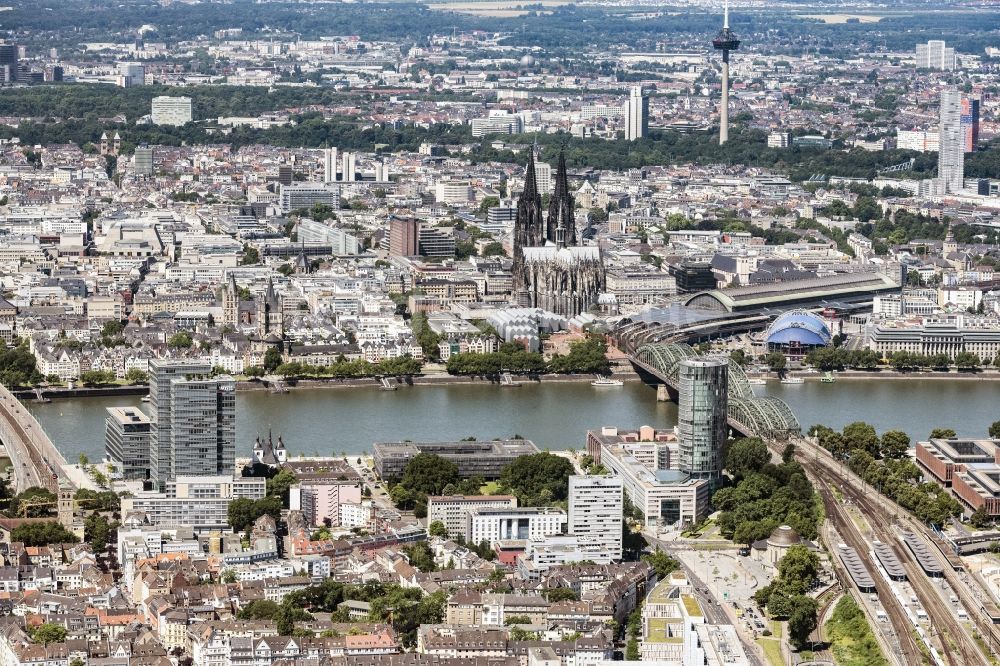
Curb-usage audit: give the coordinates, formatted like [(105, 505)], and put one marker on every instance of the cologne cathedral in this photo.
[(551, 271)]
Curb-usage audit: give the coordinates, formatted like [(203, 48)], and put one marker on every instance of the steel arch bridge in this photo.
[(663, 358), (766, 417)]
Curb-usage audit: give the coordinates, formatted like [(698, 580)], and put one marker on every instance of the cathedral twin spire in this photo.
[(560, 225)]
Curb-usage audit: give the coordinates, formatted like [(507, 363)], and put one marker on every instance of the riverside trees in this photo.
[(882, 463)]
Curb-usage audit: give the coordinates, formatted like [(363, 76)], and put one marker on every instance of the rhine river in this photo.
[(329, 421)]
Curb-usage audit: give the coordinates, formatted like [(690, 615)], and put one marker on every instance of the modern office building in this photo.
[(131, 74), (935, 55), (404, 236), (434, 242), (200, 502), (497, 122), (497, 524), (452, 511), (142, 161), (305, 195), (692, 276), (951, 143), (485, 459), (970, 123), (126, 441), (193, 431), (637, 114), (313, 233), (452, 192), (701, 416), (8, 62), (595, 511), (646, 461), (170, 110)]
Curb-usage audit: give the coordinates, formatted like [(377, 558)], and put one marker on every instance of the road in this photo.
[(18, 429), (30, 449), (715, 612)]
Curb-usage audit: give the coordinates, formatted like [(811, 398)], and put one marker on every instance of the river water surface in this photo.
[(554, 415)]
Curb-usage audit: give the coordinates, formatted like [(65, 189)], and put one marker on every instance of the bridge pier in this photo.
[(662, 394)]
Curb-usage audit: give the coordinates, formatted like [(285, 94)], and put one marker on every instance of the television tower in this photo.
[(725, 41)]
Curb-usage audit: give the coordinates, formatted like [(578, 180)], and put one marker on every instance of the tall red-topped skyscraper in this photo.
[(725, 41)]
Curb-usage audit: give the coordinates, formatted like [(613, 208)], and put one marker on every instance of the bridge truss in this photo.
[(760, 416)]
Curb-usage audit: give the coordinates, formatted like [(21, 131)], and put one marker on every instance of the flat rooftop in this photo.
[(962, 450), (128, 415), (514, 447)]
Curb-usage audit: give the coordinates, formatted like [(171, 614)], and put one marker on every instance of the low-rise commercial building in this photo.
[(485, 459), (201, 502), (665, 495), (970, 467)]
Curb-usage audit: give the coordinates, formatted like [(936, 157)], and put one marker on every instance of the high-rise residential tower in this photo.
[(348, 167), (637, 114), (701, 419), (193, 415), (935, 55), (951, 143), (329, 165), (725, 41), (595, 511), (166, 110)]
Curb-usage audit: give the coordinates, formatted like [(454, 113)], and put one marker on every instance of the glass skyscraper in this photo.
[(193, 418), (702, 425)]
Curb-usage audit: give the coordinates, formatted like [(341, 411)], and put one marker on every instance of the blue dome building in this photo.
[(797, 332)]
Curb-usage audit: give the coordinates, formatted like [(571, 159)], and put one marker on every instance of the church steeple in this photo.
[(561, 206), (950, 245), (528, 222), (560, 233)]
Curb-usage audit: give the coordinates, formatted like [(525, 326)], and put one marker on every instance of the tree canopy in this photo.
[(42, 534), (539, 479)]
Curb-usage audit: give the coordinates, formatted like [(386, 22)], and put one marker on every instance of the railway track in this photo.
[(958, 647), (910, 652)]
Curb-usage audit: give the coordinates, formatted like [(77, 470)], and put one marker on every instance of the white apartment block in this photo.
[(595, 511), (452, 511), (200, 502), (923, 141), (170, 110), (935, 55), (492, 525)]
